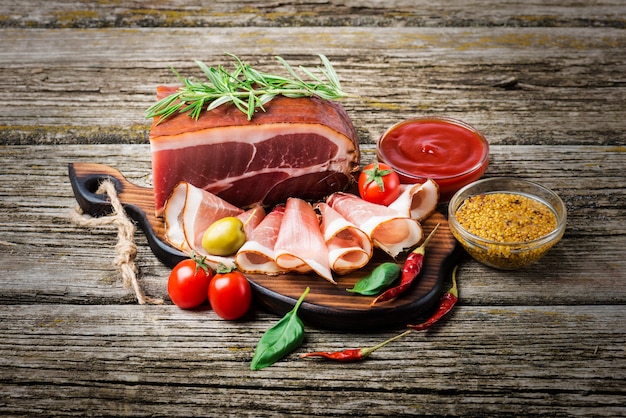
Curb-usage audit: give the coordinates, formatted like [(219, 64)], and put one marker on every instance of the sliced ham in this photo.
[(388, 229), (251, 219), (257, 254), (173, 218), (300, 246), (417, 201), (189, 212), (349, 248), (304, 147), (199, 211)]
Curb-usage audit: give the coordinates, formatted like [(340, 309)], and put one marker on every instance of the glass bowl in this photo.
[(506, 223), (446, 150)]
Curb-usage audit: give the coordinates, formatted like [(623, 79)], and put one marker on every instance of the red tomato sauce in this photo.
[(448, 151)]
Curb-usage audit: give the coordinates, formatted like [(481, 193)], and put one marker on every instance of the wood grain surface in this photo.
[(544, 81)]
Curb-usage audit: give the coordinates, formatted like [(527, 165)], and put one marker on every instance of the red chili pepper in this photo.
[(446, 303), (353, 354), (411, 270)]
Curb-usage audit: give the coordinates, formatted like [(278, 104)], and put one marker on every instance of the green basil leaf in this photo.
[(379, 279), (281, 339)]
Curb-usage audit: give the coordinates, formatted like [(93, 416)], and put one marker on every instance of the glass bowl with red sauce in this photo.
[(446, 150)]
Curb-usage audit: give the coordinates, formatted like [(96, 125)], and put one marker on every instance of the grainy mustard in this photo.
[(506, 218)]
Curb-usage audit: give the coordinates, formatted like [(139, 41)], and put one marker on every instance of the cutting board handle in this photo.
[(86, 179), (138, 202)]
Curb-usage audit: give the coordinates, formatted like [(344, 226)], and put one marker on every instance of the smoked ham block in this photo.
[(304, 147)]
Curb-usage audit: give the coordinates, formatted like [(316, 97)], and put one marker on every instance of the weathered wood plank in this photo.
[(39, 240), (179, 13), (543, 80), (519, 86), (74, 360)]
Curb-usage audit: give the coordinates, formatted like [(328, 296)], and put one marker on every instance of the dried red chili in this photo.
[(446, 303), (411, 270), (353, 354)]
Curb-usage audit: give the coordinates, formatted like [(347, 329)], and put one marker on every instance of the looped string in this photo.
[(125, 249)]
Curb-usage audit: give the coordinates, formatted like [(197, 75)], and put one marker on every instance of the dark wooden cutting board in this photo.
[(327, 305)]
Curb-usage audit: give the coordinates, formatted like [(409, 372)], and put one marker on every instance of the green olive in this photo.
[(224, 237)]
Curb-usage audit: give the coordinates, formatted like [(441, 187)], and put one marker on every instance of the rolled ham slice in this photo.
[(189, 211), (257, 253), (173, 218), (300, 245), (388, 229), (349, 248), (251, 219), (417, 201)]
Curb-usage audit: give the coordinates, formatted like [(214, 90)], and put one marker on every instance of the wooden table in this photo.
[(545, 83)]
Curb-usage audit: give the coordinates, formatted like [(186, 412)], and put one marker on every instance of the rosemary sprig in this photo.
[(247, 88)]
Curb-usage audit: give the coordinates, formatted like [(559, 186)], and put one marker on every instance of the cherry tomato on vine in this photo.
[(188, 282), (379, 183), (230, 294)]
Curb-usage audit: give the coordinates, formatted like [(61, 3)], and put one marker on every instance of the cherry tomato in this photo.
[(230, 294), (188, 283), (379, 183)]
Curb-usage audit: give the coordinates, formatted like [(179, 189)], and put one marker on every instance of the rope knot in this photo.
[(125, 249)]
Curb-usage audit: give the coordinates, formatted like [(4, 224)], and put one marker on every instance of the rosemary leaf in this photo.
[(330, 73), (246, 88), (218, 102)]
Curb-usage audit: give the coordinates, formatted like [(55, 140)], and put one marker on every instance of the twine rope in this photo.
[(125, 249)]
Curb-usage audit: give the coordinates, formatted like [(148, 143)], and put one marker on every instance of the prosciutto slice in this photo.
[(298, 147), (417, 201), (388, 229), (257, 253), (189, 212), (300, 246), (174, 232), (251, 219), (349, 248)]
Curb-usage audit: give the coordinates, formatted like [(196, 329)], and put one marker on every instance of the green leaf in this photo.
[(245, 87), (281, 339), (290, 70), (218, 102), (330, 72), (379, 279)]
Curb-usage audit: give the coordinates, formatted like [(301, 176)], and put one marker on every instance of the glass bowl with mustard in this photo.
[(506, 223)]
